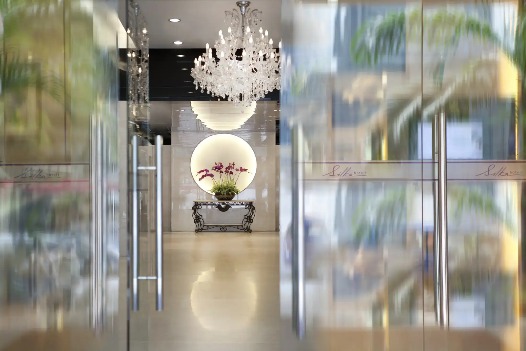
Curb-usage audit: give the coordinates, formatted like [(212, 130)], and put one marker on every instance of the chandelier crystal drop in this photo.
[(243, 66)]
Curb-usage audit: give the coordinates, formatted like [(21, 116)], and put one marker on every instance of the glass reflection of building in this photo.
[(481, 125), (58, 102)]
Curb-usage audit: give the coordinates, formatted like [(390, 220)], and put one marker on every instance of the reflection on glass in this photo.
[(484, 251), (57, 72), (366, 91), (472, 56)]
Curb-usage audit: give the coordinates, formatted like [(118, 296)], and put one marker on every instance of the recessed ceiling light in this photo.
[(180, 55), (190, 92), (174, 20), (184, 69), (182, 110), (275, 110), (178, 42)]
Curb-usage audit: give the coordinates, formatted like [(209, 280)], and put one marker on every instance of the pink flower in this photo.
[(228, 175)]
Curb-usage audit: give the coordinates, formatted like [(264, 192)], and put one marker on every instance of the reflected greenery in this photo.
[(460, 49), (17, 73), (55, 67), (378, 216), (376, 219), (443, 30)]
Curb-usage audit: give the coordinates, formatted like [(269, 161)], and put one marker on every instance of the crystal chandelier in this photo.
[(138, 64), (245, 66)]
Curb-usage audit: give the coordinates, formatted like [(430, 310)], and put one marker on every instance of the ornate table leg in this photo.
[(198, 218), (249, 217)]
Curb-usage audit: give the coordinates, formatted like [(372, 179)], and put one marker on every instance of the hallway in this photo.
[(221, 293)]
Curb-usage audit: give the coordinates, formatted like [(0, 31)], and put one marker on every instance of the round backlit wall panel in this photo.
[(225, 148)]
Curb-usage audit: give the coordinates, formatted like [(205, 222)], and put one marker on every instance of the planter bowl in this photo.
[(224, 197)]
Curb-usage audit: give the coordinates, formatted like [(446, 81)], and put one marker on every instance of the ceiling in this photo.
[(200, 20)]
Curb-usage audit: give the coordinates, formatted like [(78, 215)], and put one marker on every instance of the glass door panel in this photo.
[(59, 200), (145, 240), (352, 250), (471, 79), (145, 192), (404, 174)]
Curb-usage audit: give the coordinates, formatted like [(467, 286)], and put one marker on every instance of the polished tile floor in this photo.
[(221, 293)]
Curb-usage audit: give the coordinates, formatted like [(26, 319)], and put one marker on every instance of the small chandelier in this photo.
[(138, 64), (245, 66)]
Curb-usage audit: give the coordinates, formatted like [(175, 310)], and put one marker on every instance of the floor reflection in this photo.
[(221, 293), (241, 289)]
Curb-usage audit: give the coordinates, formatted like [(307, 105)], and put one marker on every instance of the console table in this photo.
[(223, 206)]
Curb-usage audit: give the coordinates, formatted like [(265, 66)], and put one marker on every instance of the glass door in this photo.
[(145, 235), (59, 199), (472, 94), (146, 242), (352, 250), (404, 174)]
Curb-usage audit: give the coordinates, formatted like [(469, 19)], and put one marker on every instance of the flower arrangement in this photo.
[(225, 178)]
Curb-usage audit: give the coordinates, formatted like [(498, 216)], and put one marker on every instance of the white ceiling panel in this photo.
[(200, 20)]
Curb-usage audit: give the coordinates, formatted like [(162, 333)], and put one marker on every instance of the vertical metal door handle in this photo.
[(436, 232), (135, 226), (298, 235), (159, 222), (158, 225), (97, 232), (442, 224)]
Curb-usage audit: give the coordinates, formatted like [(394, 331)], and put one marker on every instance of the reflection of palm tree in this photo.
[(442, 29), (16, 72), (55, 69), (22, 21), (377, 217), (441, 32)]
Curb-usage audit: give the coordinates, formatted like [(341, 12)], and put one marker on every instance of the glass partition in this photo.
[(401, 177), (58, 166), (361, 178), (472, 77)]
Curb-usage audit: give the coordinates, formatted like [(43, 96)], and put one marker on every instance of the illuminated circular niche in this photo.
[(223, 148)]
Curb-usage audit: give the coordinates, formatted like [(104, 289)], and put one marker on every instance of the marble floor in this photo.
[(221, 293)]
